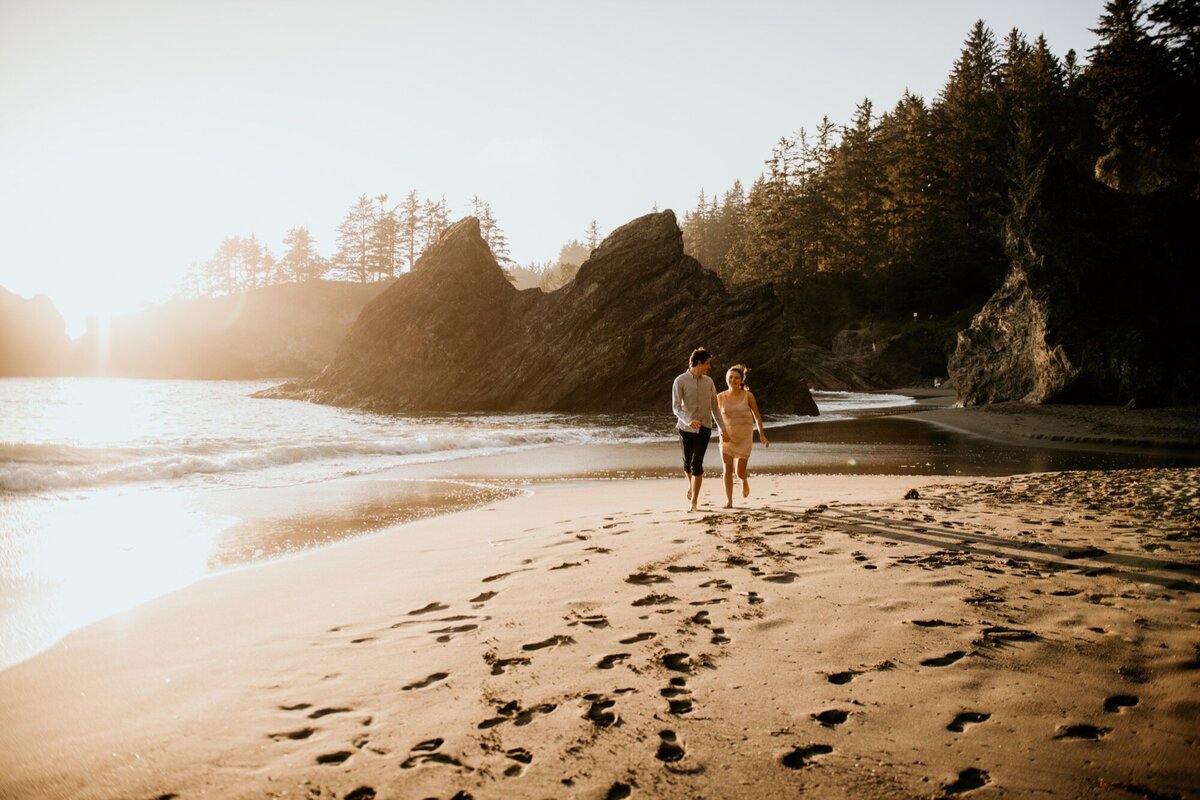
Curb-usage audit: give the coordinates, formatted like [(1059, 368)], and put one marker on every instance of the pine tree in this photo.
[(383, 242), (409, 229), (354, 233), (592, 236), (435, 218), (301, 261), (1126, 80)]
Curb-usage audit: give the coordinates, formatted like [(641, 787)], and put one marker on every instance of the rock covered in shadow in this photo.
[(455, 335)]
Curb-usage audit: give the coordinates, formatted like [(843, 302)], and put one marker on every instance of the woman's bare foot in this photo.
[(745, 488), (727, 505), (693, 508)]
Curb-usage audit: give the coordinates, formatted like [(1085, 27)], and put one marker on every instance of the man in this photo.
[(694, 401)]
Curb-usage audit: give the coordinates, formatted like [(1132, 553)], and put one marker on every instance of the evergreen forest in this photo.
[(901, 214)]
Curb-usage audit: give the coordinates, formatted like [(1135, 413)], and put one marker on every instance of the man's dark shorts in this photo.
[(694, 446)]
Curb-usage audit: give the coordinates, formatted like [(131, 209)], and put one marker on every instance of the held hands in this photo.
[(694, 424)]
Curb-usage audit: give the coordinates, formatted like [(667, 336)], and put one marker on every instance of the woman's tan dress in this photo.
[(738, 427)]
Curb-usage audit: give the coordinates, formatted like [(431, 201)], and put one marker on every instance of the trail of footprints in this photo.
[(649, 653)]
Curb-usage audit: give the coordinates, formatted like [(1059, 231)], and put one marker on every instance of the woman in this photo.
[(739, 415)]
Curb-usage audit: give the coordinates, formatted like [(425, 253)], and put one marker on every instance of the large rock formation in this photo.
[(1097, 304), (283, 331), (33, 339), (454, 335)]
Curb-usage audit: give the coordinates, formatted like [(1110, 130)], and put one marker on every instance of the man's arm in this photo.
[(677, 404)]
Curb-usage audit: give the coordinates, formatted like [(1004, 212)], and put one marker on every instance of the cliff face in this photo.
[(1096, 307), (454, 335), (289, 330), (33, 339)]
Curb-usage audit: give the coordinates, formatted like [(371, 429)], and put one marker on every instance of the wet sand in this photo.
[(842, 635)]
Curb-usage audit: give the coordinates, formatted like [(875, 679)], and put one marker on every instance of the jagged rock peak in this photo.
[(460, 248), (659, 231)]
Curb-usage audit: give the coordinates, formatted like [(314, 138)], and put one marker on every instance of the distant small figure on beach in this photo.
[(739, 416), (694, 402)]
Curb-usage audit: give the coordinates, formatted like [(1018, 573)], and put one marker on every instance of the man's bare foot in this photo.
[(689, 494), (727, 505)]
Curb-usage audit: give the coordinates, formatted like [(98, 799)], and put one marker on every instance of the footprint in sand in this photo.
[(943, 661), (965, 718), (842, 678), (678, 662), (832, 718), (334, 758), (1087, 732), (609, 661), (483, 597), (567, 565), (522, 756), (427, 751), (449, 633), (598, 712), (967, 780), (296, 707), (512, 712), (325, 712), (677, 696), (434, 606), (303, 733), (685, 568), (646, 579), (361, 793), (934, 623), (553, 641), (640, 637), (669, 748), (655, 600), (1117, 702), (594, 621), (699, 618), (781, 577), (500, 665), (719, 636), (618, 791), (802, 757), (428, 681)]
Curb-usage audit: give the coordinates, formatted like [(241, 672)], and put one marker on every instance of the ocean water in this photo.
[(113, 491)]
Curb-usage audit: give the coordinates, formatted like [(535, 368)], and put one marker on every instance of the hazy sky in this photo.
[(135, 135)]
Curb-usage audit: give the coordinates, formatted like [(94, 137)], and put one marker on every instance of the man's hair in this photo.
[(699, 356)]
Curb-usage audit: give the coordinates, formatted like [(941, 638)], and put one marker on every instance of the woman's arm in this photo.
[(762, 434)]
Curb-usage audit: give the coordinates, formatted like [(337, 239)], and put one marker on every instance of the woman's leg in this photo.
[(728, 476), (741, 472)]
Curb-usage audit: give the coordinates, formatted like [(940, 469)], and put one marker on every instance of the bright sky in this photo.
[(135, 135)]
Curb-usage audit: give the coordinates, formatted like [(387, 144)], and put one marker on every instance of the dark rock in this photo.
[(1095, 306), (454, 335), (33, 339)]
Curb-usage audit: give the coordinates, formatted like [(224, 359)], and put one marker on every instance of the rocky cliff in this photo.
[(454, 335), (289, 330), (33, 339), (1097, 306)]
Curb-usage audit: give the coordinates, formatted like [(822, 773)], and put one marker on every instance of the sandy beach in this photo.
[(831, 636)]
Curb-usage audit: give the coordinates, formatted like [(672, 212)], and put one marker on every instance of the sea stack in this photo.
[(454, 335)]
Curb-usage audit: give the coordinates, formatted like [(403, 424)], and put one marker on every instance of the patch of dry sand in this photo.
[(1016, 637)]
